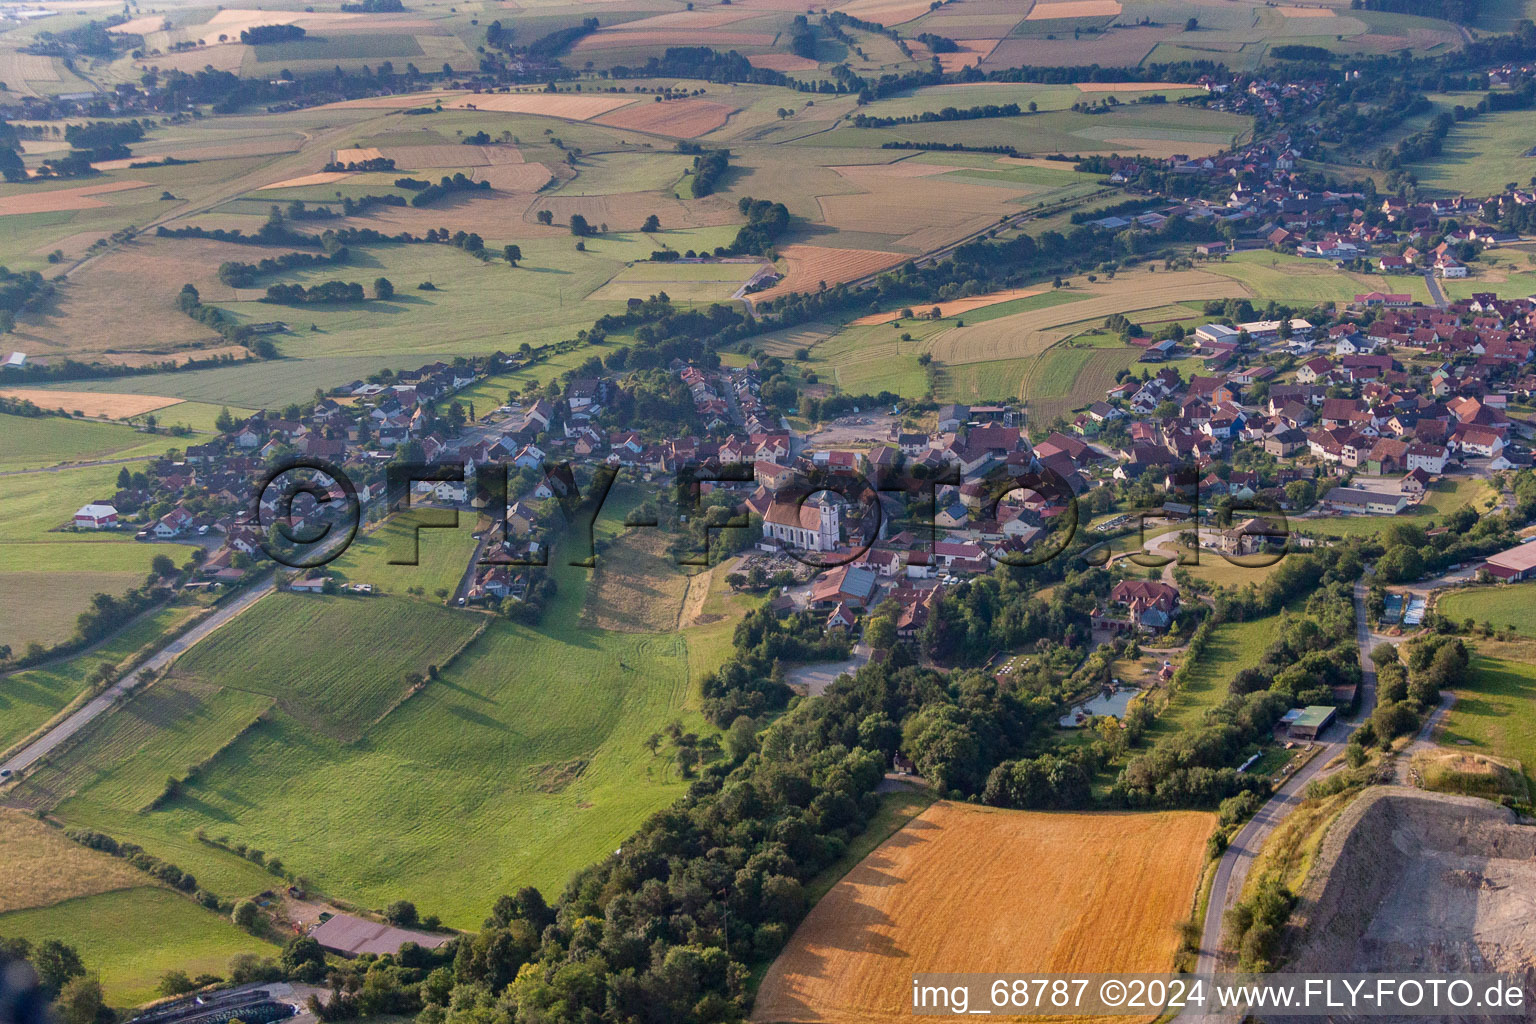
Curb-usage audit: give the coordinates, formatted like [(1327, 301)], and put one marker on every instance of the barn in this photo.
[(1514, 565)]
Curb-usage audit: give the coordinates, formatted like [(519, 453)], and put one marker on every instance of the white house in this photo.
[(96, 516)]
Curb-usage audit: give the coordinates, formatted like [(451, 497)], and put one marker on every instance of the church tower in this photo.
[(830, 518)]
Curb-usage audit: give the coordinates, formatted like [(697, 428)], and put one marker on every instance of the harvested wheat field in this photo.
[(681, 119), (923, 210), (627, 211), (410, 158), (356, 156), (1130, 86), (1073, 9), (513, 177), (954, 307), (566, 105), (398, 102), (318, 178), (82, 197), (1118, 47), (807, 266), (785, 62), (886, 12), (39, 867), (92, 403), (1307, 12), (711, 18), (616, 40), (1034, 331), (968, 889), (971, 52)]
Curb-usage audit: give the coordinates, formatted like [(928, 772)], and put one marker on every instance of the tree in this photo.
[(546, 217), (579, 226), (304, 960), (513, 254), (401, 913), (81, 1002), (225, 423), (652, 223), (124, 479), (1192, 24), (880, 633), (56, 964), (162, 565), (383, 290), (244, 915), (176, 983)]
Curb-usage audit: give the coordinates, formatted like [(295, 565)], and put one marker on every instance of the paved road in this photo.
[(1236, 862), (1434, 290), (95, 708)]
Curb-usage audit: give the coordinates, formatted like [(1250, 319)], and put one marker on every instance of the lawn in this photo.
[(1496, 712), (1446, 496), (442, 555), (1504, 606), (1233, 646), (132, 936), (28, 442)]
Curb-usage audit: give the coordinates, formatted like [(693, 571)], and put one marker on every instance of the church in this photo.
[(811, 525)]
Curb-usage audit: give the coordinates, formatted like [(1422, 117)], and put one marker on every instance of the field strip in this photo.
[(80, 198), (102, 404), (1031, 333), (954, 307)]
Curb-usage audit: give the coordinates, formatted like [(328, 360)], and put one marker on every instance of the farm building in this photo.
[(98, 515), (353, 936), (1357, 499), (1306, 724), (1514, 565)]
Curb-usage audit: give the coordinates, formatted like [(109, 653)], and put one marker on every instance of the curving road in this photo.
[(1233, 869), (35, 750)]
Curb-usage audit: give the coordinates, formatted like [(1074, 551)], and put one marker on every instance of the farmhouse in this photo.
[(1514, 565), (1138, 604), (98, 515), (1357, 499)]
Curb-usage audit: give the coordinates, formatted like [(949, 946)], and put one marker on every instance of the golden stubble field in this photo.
[(39, 867), (970, 889), (1030, 333)]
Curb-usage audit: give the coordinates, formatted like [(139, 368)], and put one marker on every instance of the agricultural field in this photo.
[(1510, 606), (1492, 715), (1128, 899), (133, 936), (49, 571), (32, 442), (1481, 155), (31, 697)]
